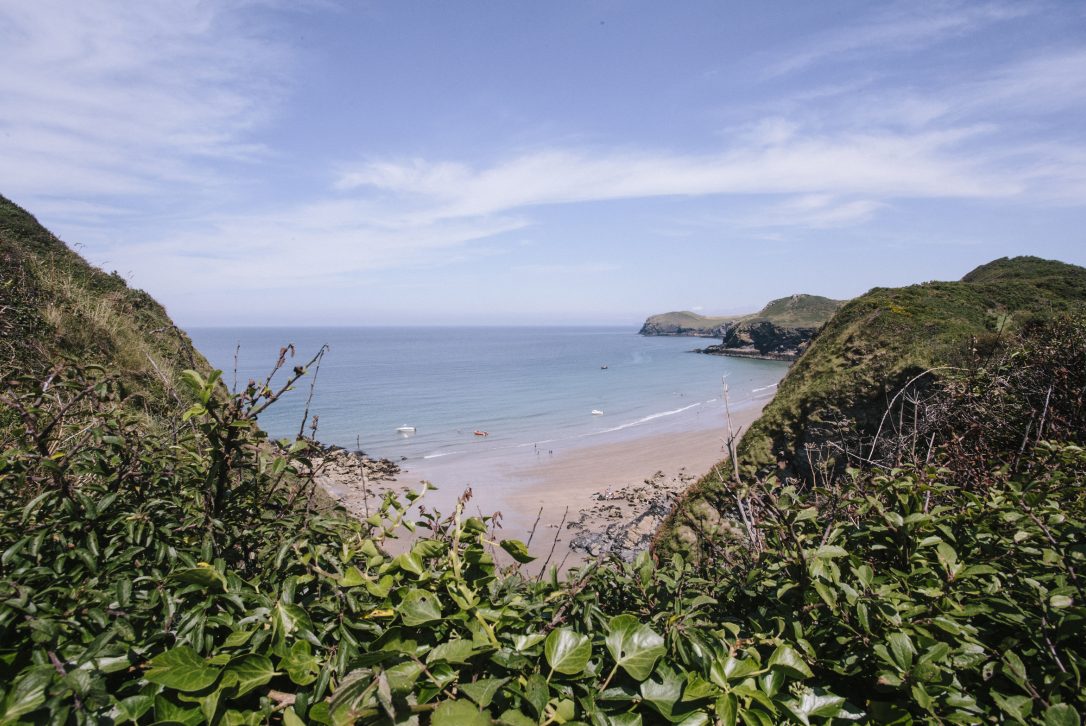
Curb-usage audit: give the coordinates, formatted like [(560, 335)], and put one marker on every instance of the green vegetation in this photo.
[(186, 578), (54, 307), (684, 323), (182, 573), (795, 311)]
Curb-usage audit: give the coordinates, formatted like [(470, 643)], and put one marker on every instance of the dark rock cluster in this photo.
[(625, 520)]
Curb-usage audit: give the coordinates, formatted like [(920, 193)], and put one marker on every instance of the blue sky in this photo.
[(545, 163)]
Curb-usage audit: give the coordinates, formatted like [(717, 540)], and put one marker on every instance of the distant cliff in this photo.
[(686, 323), (781, 330)]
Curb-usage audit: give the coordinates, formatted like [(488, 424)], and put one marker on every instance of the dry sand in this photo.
[(611, 494), (570, 503)]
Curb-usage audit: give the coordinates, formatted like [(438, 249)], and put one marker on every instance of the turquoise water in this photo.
[(526, 387)]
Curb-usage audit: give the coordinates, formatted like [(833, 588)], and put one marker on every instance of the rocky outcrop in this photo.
[(762, 339), (779, 331), (685, 323), (625, 520)]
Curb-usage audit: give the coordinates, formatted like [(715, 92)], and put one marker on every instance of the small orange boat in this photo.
[(482, 433)]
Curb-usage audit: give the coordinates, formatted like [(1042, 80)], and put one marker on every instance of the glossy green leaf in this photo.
[(182, 669), (249, 672), (635, 647), (483, 690), (419, 607), (786, 657), (517, 550), (567, 651)]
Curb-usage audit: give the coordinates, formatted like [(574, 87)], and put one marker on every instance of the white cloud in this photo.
[(885, 165), (105, 98), (904, 27)]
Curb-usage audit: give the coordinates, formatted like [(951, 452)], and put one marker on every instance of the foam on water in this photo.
[(525, 386)]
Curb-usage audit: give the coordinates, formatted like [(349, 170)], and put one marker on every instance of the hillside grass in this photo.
[(860, 359), (690, 320), (794, 311), (797, 311), (54, 306)]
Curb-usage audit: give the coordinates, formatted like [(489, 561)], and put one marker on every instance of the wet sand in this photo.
[(603, 489), (570, 500)]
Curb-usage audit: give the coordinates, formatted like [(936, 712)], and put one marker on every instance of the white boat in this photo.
[(597, 412), (406, 430)]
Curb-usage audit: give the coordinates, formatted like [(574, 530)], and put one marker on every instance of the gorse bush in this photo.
[(184, 575)]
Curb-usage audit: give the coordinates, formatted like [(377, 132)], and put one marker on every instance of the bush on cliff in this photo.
[(185, 577)]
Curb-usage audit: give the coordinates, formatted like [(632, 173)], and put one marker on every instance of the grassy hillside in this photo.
[(797, 311), (880, 340), (54, 306), (794, 311), (841, 386), (684, 323)]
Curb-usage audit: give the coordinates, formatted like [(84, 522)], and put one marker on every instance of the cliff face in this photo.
[(875, 344), (686, 323), (55, 306), (779, 331), (762, 339), (880, 340)]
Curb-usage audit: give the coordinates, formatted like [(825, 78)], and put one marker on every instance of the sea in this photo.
[(521, 386)]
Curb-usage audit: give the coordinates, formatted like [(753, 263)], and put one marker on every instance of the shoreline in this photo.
[(576, 503), (585, 498)]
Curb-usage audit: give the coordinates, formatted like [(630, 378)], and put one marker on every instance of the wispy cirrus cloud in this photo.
[(128, 99), (898, 28), (916, 165)]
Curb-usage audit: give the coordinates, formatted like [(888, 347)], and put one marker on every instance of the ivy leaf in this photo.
[(664, 694), (300, 663), (517, 550), (454, 651), (567, 651), (483, 690), (353, 577), (459, 713), (166, 711), (524, 642), (419, 607), (634, 646), (1062, 714), (249, 672), (238, 637), (182, 669), (537, 693), (287, 618), (131, 708)]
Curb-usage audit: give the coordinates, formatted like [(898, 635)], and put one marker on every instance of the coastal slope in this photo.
[(55, 306), (781, 330), (686, 323), (875, 344)]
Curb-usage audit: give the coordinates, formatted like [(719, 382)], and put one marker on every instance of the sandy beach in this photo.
[(572, 501)]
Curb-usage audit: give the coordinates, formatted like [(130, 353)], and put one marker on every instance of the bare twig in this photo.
[(557, 534)]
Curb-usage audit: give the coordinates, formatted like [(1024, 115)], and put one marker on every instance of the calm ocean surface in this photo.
[(525, 386)]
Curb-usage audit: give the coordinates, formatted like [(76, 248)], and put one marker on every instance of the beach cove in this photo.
[(556, 472)]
